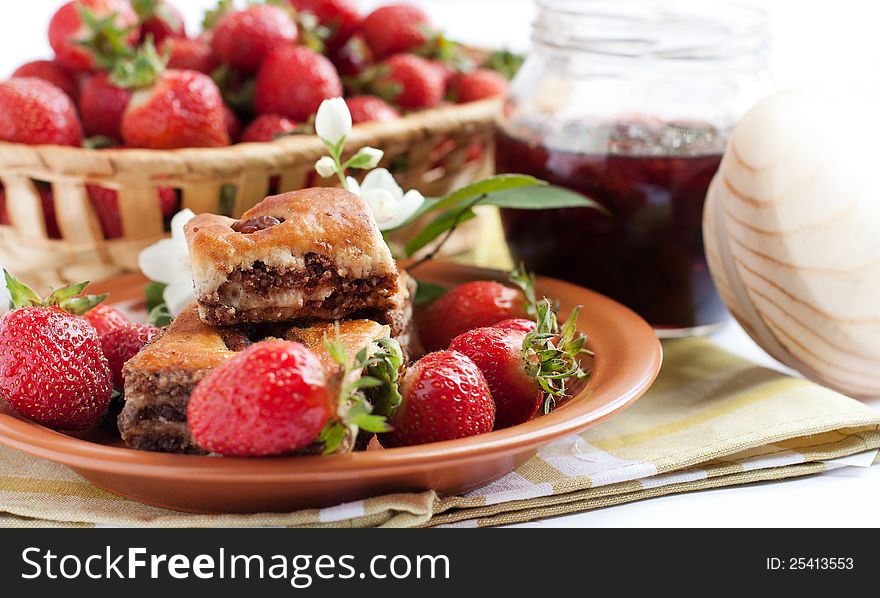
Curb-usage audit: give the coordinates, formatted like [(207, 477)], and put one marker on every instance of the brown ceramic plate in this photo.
[(627, 360)]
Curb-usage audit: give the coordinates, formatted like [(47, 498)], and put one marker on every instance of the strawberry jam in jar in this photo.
[(630, 102)]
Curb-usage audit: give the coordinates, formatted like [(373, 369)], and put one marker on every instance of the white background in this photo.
[(816, 42)]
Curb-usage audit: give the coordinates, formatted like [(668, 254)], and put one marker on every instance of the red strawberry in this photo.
[(352, 58), (106, 204), (159, 19), (293, 82), (267, 127), (108, 30), (468, 306), (499, 355), (47, 202), (52, 369), (233, 124), (35, 112), (105, 319), (411, 81), (448, 73), (369, 108), (53, 72), (445, 396), (190, 54), (242, 39), (181, 109), (341, 17), (397, 28), (520, 324), (525, 370), (122, 344), (102, 105), (479, 85), (4, 212), (270, 399)]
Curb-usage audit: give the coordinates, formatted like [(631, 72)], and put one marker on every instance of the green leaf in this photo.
[(213, 16), (99, 142), (437, 227), (141, 70), (58, 296), (81, 305), (226, 204), (427, 291), (505, 62), (154, 292), (540, 197), (66, 298), (492, 184), (20, 294), (332, 436), (159, 316), (372, 423)]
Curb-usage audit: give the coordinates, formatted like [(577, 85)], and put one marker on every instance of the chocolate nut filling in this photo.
[(257, 223)]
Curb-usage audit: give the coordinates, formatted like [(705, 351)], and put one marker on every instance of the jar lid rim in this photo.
[(666, 29)]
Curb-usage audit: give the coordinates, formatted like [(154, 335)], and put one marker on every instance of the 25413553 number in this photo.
[(821, 563)]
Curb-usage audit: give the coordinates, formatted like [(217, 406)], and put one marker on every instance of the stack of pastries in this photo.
[(290, 268)]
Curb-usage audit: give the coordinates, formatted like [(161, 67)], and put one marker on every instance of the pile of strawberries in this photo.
[(127, 75), (61, 357), (498, 358)]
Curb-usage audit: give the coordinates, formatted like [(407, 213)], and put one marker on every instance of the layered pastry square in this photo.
[(312, 253), (160, 379)]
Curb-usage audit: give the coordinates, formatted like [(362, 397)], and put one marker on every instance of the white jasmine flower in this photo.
[(333, 121), (167, 261), (391, 207), (326, 166)]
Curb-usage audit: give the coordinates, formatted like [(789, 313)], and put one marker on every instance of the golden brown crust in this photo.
[(329, 224), (355, 334)]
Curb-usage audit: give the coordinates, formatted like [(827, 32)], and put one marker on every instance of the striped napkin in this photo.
[(710, 420)]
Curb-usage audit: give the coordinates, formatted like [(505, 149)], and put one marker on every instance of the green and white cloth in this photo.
[(710, 420)]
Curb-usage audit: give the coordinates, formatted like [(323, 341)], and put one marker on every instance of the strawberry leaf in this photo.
[(67, 298), (20, 294), (212, 16), (81, 305), (505, 62), (525, 281), (374, 376), (551, 353), (142, 69), (372, 423), (332, 436), (107, 42)]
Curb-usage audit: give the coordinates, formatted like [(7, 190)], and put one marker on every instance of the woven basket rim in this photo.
[(416, 125)]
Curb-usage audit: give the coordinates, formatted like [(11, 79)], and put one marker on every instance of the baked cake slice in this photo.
[(313, 253), (160, 379)]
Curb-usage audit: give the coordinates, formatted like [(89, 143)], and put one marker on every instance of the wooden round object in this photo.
[(791, 230)]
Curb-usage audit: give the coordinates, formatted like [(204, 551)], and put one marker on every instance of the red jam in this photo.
[(648, 253)]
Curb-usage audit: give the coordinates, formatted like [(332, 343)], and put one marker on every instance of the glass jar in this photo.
[(631, 102)]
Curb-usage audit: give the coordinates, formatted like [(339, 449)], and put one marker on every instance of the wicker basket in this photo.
[(435, 146)]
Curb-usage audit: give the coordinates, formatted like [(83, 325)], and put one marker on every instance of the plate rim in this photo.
[(83, 454)]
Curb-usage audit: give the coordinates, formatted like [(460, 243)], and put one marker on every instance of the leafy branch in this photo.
[(515, 191)]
